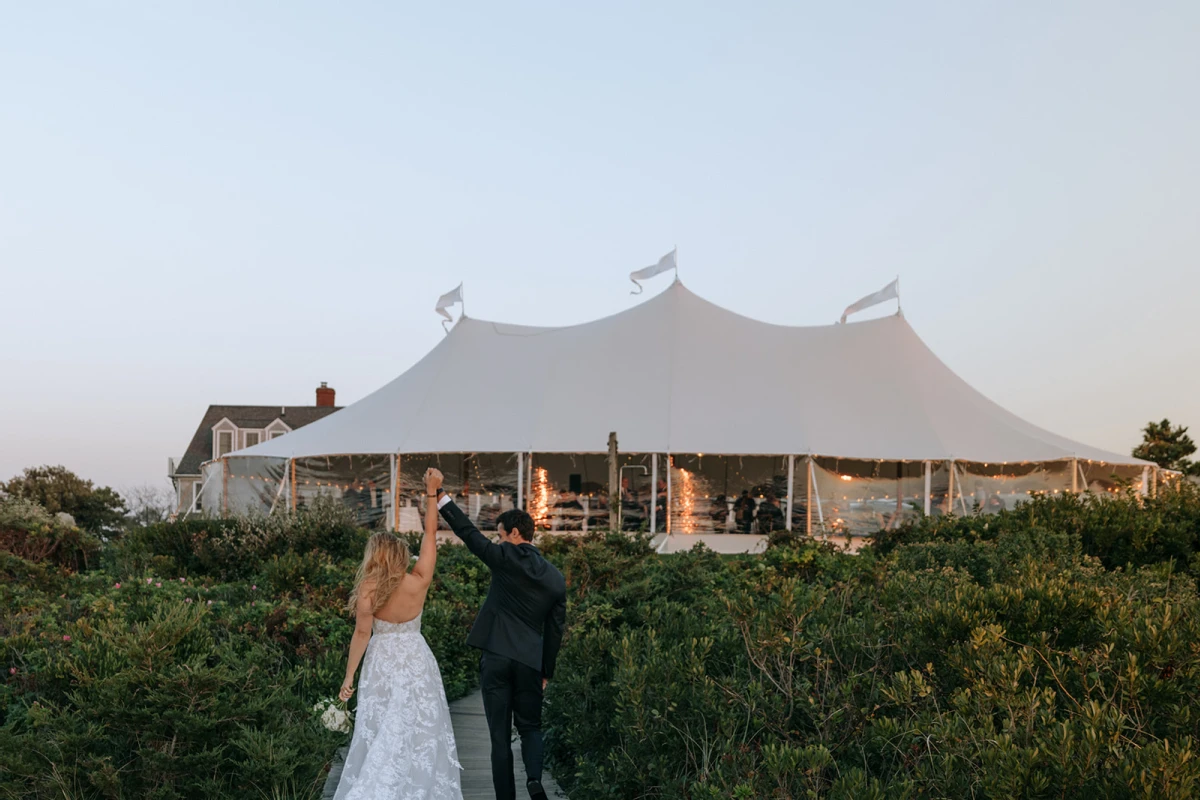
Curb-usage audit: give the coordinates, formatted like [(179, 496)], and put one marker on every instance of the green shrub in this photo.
[(168, 673), (30, 532), (981, 657)]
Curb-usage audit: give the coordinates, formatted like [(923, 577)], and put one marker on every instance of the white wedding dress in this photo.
[(403, 744)]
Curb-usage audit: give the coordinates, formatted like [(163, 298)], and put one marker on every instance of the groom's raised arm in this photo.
[(488, 552)]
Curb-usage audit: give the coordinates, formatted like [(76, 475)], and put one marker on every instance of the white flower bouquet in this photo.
[(334, 715)]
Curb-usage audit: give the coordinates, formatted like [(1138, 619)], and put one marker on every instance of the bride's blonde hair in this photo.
[(385, 561)]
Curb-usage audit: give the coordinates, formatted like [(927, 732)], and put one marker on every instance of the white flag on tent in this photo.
[(447, 300), (889, 292), (665, 263)]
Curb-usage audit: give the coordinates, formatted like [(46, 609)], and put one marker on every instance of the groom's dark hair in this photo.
[(518, 520)]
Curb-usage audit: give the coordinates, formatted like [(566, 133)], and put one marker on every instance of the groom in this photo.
[(519, 630)]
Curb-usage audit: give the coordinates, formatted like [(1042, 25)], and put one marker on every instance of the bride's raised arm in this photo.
[(428, 557)]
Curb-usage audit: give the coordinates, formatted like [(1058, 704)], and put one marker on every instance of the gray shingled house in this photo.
[(225, 429)]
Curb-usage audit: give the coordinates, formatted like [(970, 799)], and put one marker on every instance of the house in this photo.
[(225, 429)]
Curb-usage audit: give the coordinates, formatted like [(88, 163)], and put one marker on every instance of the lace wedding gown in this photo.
[(403, 745)]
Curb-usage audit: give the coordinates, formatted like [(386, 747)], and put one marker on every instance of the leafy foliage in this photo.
[(1167, 446), (29, 531), (1002, 657), (57, 489), (188, 663)]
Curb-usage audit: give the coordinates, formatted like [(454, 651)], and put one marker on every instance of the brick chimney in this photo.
[(325, 396)]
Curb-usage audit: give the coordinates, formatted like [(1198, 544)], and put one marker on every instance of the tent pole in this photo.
[(654, 494), (529, 483), (396, 493), (816, 492), (791, 485), (395, 505), (520, 480), (292, 506), (962, 499), (224, 487), (192, 505), (282, 483), (668, 503), (808, 496), (1145, 490), (950, 491), (614, 487), (1074, 476), (928, 486)]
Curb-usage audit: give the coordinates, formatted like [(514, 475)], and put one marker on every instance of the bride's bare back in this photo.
[(407, 600)]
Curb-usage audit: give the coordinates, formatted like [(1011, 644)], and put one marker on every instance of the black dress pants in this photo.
[(512, 693)]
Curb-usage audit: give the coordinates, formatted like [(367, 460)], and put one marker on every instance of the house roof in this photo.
[(201, 447)]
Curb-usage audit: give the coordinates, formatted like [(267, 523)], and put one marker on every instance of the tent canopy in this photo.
[(678, 374)]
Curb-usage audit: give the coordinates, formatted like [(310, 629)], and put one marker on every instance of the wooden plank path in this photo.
[(474, 753)]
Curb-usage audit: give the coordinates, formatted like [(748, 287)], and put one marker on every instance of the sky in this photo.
[(228, 203)]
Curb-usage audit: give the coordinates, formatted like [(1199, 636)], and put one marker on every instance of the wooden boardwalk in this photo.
[(474, 753)]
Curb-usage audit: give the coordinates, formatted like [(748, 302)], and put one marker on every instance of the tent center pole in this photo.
[(791, 485), (950, 491), (614, 487), (928, 486), (654, 494), (668, 503), (808, 497), (520, 480), (1074, 476)]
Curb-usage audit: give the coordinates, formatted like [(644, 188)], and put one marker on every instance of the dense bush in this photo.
[(1131, 531), (188, 663), (954, 661), (1053, 651), (31, 532)]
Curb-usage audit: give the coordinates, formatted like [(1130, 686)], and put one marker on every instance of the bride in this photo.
[(403, 745)]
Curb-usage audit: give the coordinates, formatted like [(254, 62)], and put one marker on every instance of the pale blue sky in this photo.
[(230, 202)]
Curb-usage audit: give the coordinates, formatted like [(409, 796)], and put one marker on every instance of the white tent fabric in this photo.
[(678, 374)]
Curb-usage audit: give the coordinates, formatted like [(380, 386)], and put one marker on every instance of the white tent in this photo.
[(680, 375)]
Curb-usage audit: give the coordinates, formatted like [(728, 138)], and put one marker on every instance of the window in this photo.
[(224, 443), (196, 496), (277, 434), (252, 438)]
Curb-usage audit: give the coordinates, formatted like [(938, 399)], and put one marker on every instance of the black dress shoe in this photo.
[(536, 792)]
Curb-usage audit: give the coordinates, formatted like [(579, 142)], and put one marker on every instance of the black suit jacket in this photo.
[(526, 606)]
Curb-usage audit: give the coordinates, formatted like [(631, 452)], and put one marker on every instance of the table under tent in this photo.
[(726, 426)]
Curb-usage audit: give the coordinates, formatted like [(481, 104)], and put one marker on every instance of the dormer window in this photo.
[(253, 438), (277, 434), (224, 443)]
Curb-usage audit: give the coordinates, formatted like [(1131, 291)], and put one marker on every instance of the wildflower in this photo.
[(66, 638), (117, 585), (181, 580), (159, 584), (210, 602), (148, 581), (253, 587), (254, 603), (187, 599), (12, 670)]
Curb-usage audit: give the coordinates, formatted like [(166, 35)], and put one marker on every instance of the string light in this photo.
[(541, 493), (687, 500)]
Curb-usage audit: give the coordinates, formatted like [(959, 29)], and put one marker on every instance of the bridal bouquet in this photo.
[(334, 715)]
